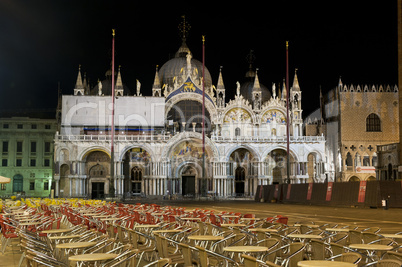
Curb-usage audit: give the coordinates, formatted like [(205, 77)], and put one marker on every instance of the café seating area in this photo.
[(74, 232)]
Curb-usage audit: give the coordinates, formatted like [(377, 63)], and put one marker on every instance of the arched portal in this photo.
[(275, 165), (354, 179), (97, 166), (18, 183), (240, 176), (136, 180), (188, 178), (63, 184), (136, 166), (241, 164)]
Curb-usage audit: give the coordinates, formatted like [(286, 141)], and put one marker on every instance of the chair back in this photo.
[(186, 252), (389, 263), (351, 257), (317, 249), (369, 237), (295, 254), (271, 244), (392, 255), (202, 256), (341, 238), (336, 249), (355, 237)]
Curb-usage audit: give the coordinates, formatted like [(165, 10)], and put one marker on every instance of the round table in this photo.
[(233, 225), (264, 230), (110, 219), (76, 245), (167, 231), (59, 237), (56, 231), (371, 247), (205, 237), (392, 236), (190, 219), (93, 257), (146, 226), (337, 229), (304, 236), (322, 263), (245, 249)]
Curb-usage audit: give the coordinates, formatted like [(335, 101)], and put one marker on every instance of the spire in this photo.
[(284, 92), (79, 87), (85, 84), (156, 87), (257, 92), (220, 84), (256, 86), (157, 83), (340, 84), (295, 86), (184, 29), (220, 91), (119, 84)]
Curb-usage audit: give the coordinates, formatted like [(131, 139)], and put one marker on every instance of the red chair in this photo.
[(8, 233)]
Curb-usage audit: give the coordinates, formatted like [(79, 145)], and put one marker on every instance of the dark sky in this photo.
[(42, 42)]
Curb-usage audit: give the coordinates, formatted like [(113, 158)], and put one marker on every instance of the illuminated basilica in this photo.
[(158, 145)]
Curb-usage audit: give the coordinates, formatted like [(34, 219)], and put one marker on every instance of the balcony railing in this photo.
[(123, 138), (166, 137), (276, 139)]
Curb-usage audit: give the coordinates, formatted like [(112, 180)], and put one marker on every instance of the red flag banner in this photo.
[(329, 191), (309, 191), (288, 192), (362, 191), (276, 191)]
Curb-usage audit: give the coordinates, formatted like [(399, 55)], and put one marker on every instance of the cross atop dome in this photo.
[(184, 28)]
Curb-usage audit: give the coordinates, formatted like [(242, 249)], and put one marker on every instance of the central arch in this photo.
[(242, 166)]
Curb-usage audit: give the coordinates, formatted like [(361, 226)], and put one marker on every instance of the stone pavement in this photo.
[(390, 221)]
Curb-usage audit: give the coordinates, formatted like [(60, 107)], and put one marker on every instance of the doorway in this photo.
[(188, 185), (98, 190), (240, 176)]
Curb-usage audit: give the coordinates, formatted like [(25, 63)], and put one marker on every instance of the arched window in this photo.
[(373, 123), (136, 179), (237, 132), (97, 171)]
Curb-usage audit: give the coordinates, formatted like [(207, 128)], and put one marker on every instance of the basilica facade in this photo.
[(159, 147)]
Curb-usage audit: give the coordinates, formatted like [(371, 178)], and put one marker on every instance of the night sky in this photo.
[(43, 42)]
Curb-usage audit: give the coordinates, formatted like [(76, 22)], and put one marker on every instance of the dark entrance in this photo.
[(188, 185), (240, 176), (98, 190)]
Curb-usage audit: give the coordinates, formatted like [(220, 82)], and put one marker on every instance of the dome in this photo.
[(174, 66)]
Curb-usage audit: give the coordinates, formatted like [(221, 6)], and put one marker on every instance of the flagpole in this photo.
[(203, 183), (287, 114), (111, 184)]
